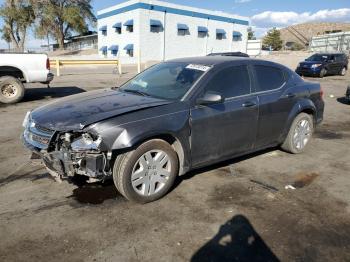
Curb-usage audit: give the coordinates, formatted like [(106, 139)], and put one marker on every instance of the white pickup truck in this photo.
[(19, 68)]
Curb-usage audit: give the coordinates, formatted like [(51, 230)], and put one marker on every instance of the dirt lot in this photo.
[(237, 211)]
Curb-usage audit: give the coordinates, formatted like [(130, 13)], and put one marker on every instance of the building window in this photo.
[(118, 27), (103, 30), (220, 34), (130, 53), (156, 26), (182, 30), (129, 49), (114, 50), (237, 36), (103, 50), (202, 31), (129, 26)]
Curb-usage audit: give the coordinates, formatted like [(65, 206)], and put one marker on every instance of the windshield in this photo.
[(317, 58), (170, 80)]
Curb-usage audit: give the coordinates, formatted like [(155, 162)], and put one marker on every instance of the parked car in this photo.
[(322, 64), (230, 54), (19, 68), (347, 94), (174, 117)]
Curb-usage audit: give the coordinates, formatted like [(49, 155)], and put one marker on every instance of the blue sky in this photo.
[(264, 14)]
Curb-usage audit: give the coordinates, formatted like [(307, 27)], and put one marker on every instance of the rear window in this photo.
[(268, 78)]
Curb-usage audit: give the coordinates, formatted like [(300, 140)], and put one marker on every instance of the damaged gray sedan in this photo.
[(171, 118)]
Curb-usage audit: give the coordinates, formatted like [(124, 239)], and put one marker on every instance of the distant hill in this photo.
[(302, 33)]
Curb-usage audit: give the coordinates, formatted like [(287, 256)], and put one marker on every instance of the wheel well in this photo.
[(12, 71), (310, 112), (177, 146), (174, 142)]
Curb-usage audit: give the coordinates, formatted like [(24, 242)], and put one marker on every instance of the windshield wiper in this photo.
[(135, 92)]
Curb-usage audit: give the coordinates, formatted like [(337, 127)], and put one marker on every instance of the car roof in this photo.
[(220, 60), (209, 60), (330, 53)]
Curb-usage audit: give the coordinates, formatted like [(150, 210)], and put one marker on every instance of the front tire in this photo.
[(11, 90), (343, 71), (146, 173), (299, 134), (323, 72)]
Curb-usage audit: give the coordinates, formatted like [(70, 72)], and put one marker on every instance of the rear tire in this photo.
[(11, 90), (299, 134), (146, 173)]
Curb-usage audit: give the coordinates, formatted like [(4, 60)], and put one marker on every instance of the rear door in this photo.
[(333, 64), (228, 128), (276, 100)]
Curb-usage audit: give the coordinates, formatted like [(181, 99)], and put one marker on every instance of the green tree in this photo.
[(18, 16), (251, 35), (59, 18), (273, 39)]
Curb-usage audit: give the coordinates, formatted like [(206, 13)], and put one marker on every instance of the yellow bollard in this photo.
[(58, 67)]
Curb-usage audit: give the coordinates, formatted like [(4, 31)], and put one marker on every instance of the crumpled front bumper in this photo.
[(66, 163)]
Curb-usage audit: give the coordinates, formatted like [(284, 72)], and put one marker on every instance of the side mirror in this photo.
[(210, 98)]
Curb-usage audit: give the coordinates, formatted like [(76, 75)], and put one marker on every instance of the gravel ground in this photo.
[(238, 210)]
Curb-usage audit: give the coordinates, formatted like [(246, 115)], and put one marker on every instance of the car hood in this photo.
[(77, 111), (310, 63)]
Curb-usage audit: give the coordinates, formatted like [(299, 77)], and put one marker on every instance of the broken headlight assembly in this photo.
[(85, 142)]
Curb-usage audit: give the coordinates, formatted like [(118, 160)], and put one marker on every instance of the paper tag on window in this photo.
[(198, 67)]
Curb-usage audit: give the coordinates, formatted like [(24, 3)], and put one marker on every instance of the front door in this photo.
[(228, 128)]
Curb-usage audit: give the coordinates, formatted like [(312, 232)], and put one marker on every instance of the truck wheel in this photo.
[(146, 173), (299, 134), (11, 90)]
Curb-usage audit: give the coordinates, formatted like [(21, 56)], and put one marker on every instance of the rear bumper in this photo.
[(49, 78)]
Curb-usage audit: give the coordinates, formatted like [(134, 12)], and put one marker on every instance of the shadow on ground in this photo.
[(33, 94), (236, 240)]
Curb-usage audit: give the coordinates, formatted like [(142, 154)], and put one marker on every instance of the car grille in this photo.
[(38, 136)]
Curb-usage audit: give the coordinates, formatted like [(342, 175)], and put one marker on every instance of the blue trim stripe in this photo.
[(172, 11)]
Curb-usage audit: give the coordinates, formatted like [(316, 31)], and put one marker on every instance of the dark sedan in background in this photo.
[(174, 117), (322, 64)]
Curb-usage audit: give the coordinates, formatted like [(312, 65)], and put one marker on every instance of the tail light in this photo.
[(321, 92), (48, 64)]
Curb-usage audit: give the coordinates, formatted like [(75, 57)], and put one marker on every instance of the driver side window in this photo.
[(230, 82)]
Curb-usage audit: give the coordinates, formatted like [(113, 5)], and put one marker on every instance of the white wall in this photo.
[(152, 44)]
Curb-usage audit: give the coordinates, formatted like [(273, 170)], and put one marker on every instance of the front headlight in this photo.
[(86, 143), (26, 119), (315, 65)]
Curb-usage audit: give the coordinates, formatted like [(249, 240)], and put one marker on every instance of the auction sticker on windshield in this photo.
[(198, 67)]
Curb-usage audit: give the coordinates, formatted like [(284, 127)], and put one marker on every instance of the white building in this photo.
[(160, 31)]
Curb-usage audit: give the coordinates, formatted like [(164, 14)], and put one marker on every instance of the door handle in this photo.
[(289, 95), (248, 104)]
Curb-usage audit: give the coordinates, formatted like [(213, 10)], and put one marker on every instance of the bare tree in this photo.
[(59, 18)]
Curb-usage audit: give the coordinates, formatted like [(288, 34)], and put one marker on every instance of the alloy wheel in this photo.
[(302, 134)]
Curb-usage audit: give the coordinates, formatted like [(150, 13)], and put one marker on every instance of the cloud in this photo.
[(242, 1), (281, 19)]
